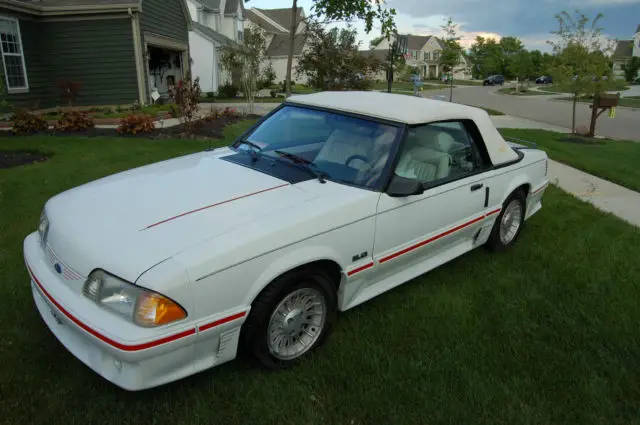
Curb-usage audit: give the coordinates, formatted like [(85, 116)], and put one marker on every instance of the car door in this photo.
[(419, 232)]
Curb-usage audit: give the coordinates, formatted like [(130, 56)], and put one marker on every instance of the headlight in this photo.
[(43, 228), (139, 305)]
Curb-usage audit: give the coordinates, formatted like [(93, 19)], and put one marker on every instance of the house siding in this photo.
[(165, 17), (78, 51), (105, 65)]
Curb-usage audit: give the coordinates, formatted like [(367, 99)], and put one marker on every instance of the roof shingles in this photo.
[(282, 16), (624, 49), (279, 46)]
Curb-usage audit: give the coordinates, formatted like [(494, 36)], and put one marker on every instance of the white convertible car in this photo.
[(160, 272)]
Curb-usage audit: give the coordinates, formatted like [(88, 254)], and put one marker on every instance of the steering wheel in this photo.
[(360, 157)]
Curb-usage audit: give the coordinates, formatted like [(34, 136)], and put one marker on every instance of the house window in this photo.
[(13, 55), (436, 56)]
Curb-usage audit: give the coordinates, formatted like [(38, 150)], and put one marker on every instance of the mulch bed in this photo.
[(16, 158), (98, 121), (202, 130)]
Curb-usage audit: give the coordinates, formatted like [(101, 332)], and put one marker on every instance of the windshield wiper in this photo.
[(305, 164), (253, 148)]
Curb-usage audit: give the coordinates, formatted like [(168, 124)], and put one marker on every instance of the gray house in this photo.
[(117, 51)]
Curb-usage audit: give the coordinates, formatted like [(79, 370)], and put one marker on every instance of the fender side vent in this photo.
[(228, 341)]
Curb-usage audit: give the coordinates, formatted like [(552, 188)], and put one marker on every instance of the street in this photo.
[(625, 125)]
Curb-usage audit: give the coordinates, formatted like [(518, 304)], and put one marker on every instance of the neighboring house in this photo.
[(215, 23), (423, 52), (277, 25), (625, 50), (118, 50)]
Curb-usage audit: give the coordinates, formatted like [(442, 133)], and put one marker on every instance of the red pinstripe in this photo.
[(214, 205)]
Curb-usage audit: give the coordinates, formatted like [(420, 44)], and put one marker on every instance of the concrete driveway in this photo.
[(626, 124)]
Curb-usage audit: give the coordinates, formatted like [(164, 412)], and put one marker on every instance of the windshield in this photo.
[(346, 149)]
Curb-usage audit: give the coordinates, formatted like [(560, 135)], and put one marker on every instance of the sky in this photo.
[(531, 21)]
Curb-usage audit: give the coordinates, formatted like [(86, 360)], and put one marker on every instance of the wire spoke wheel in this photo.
[(296, 323)]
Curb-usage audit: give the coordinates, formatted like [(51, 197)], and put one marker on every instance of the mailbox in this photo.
[(607, 100)]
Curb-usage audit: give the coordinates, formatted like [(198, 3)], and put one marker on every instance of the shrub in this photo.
[(186, 94), (228, 90), (136, 123), (210, 95), (69, 90), (74, 121), (24, 122), (273, 93), (173, 110), (230, 112), (283, 85)]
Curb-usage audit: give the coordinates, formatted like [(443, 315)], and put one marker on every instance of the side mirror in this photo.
[(402, 187)]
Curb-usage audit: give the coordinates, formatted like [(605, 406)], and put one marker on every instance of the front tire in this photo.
[(291, 318), (509, 223)]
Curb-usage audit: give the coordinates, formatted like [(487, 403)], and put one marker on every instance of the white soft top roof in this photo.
[(411, 110)]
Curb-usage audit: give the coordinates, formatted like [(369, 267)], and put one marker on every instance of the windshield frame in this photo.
[(386, 171)]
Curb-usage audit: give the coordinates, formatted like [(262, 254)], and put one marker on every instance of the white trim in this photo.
[(25, 88), (137, 48), (165, 42), (271, 21)]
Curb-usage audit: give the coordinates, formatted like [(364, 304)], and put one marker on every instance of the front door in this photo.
[(417, 233)]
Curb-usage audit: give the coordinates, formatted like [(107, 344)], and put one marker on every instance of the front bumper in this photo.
[(152, 357)]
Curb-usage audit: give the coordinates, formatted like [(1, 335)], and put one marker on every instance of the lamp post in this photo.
[(396, 48)]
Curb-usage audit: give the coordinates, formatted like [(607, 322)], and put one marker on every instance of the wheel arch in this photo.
[(519, 183), (321, 257)]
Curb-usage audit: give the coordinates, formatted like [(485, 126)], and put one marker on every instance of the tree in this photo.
[(395, 60), (510, 48), (581, 62), (332, 59), (246, 58), (631, 69), (521, 67), (451, 52), (341, 10)]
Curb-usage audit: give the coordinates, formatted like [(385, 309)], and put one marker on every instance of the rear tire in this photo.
[(509, 223), (290, 319)]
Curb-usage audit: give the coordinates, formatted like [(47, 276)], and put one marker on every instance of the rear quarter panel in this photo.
[(530, 172)]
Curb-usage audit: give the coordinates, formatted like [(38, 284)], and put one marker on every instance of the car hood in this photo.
[(131, 221)]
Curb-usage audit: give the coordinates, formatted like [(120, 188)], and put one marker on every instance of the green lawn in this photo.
[(628, 102), (457, 82), (617, 86), (613, 160), (523, 92), (406, 86), (545, 333)]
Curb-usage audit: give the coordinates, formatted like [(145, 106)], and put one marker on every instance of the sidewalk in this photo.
[(604, 195)]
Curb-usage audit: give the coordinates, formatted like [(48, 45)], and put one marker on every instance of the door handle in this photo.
[(475, 187)]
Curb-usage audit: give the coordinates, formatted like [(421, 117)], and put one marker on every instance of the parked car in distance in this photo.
[(159, 272), (544, 79), (493, 80)]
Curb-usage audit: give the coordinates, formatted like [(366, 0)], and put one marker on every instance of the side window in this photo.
[(438, 151)]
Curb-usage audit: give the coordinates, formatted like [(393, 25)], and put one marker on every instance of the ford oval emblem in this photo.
[(58, 268)]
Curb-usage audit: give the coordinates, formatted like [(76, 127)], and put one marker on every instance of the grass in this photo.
[(113, 112), (628, 102), (242, 100), (543, 333), (617, 85), (458, 82), (402, 86), (523, 92), (613, 160)]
